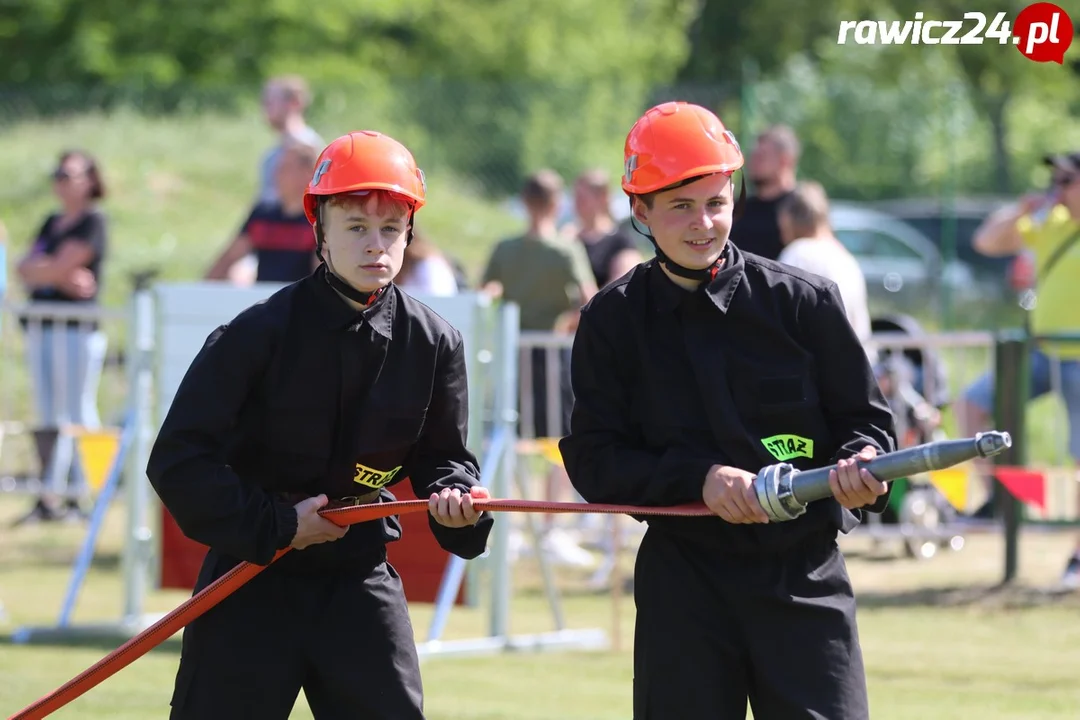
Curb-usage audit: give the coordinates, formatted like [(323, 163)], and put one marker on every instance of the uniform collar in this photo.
[(336, 314), (720, 290)]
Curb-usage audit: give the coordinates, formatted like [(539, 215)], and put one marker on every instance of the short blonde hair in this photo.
[(303, 151), (807, 209), (293, 87)]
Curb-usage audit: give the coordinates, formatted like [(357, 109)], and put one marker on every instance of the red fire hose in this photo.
[(228, 583)]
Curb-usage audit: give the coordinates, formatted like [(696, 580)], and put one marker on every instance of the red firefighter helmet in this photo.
[(365, 160), (676, 141)]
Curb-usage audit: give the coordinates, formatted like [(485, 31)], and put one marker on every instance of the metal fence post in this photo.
[(138, 549), (1011, 363)]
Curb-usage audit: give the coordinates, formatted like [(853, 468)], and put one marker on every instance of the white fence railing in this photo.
[(55, 358)]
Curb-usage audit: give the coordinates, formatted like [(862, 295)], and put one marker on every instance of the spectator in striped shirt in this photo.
[(277, 234)]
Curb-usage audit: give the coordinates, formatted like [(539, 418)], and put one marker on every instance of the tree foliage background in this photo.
[(494, 90)]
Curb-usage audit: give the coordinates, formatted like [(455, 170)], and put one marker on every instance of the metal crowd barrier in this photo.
[(960, 358), (52, 383), (60, 372), (554, 348)]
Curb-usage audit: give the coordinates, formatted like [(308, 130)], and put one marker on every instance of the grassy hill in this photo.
[(180, 187)]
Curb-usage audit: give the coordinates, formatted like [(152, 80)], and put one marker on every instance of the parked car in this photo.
[(904, 269), (957, 220)]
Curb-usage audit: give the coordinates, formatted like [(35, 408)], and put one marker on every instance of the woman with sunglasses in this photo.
[(64, 265)]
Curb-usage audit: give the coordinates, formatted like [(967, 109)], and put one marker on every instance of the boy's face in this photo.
[(691, 223), (364, 243), (293, 174)]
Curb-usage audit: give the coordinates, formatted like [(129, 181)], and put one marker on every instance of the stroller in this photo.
[(915, 384)]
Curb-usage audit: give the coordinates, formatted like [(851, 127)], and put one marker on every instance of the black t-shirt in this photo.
[(602, 251), (90, 228), (284, 244), (758, 231)]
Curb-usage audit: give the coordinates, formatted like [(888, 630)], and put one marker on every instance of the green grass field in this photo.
[(940, 640)]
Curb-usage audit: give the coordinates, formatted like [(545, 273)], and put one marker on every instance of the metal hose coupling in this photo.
[(784, 492)]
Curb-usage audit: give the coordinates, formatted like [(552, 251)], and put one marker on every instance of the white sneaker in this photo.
[(561, 549)]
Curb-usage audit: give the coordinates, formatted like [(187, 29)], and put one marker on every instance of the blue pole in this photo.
[(455, 568), (97, 519)]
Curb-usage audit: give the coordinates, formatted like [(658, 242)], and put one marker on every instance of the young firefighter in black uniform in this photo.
[(336, 387), (691, 374)]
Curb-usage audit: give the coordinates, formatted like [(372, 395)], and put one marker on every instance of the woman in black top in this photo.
[(63, 266)]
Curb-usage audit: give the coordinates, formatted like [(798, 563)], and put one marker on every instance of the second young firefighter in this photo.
[(690, 374), (328, 393)]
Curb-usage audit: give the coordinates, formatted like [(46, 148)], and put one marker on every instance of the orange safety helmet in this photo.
[(676, 141), (365, 160)]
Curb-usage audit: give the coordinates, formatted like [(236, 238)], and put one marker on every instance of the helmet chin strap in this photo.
[(699, 274), (340, 284)]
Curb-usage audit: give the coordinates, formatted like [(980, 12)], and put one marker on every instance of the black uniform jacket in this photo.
[(756, 367), (300, 395)]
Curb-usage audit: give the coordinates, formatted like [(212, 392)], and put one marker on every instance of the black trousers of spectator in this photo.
[(715, 631), (544, 424), (343, 635)]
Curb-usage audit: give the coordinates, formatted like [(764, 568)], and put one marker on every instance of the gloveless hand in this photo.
[(311, 527), (855, 487), (452, 509), (729, 492)]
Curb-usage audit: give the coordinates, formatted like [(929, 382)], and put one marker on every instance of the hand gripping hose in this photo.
[(228, 583)]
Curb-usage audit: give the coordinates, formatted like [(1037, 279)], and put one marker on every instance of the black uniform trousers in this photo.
[(342, 634), (715, 630)]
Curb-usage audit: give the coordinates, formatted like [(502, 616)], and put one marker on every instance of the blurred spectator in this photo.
[(611, 252), (285, 99), (771, 171), (1048, 225), (548, 276), (64, 266), (425, 270), (3, 271), (809, 244), (278, 232)]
